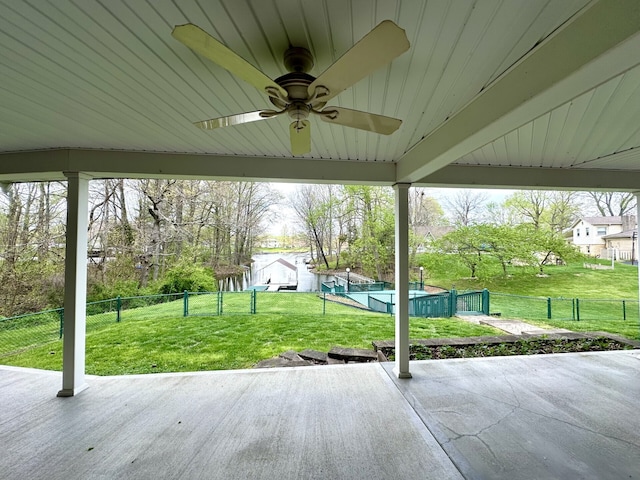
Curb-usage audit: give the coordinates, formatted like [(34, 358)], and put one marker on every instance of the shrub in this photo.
[(184, 276)]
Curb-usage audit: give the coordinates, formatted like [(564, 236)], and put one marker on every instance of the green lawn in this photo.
[(158, 338), (144, 342), (570, 281), (523, 294)]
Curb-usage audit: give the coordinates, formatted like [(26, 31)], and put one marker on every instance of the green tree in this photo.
[(547, 246), (468, 244), (524, 244), (371, 229), (544, 209), (504, 243)]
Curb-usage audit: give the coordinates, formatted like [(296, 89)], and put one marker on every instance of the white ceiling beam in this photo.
[(599, 43), (474, 176), (29, 166)]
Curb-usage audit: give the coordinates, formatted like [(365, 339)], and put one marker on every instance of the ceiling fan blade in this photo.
[(361, 120), (376, 49), (201, 42), (300, 137), (231, 120)]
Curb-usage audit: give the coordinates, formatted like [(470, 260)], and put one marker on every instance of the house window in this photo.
[(602, 231), (577, 232), (586, 231)]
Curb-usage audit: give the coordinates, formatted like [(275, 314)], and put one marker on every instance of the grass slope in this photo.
[(144, 343), (523, 294), (569, 281)]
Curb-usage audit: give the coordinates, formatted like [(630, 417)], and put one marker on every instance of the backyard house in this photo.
[(596, 236), (426, 234), (621, 246)]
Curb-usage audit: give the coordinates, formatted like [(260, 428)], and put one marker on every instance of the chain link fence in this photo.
[(24, 332), (28, 331), (614, 316), (34, 330)]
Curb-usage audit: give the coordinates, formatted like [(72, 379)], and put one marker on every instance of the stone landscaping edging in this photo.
[(463, 341), (335, 356), (437, 346), (343, 355)]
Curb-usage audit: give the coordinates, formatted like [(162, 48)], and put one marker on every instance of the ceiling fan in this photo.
[(299, 94)]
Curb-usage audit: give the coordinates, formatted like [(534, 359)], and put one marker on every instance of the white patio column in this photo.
[(402, 279), (75, 285)]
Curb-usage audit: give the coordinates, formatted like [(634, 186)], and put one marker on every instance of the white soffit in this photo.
[(97, 75)]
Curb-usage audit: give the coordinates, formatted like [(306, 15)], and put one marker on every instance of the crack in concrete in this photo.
[(483, 429)]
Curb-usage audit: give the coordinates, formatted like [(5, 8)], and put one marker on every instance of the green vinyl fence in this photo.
[(437, 305)]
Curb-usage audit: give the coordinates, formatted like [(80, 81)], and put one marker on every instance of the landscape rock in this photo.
[(291, 355), (337, 356), (353, 354), (281, 362), (314, 355)]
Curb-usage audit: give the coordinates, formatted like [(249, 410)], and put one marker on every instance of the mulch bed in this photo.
[(435, 349)]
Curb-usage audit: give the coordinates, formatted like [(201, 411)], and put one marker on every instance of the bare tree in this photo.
[(611, 204), (32, 228), (253, 202), (424, 210), (314, 215), (466, 206), (544, 209), (156, 192)]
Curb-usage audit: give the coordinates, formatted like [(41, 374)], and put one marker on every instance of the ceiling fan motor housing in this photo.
[(298, 59)]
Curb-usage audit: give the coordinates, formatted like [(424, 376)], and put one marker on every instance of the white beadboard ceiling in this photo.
[(86, 75)]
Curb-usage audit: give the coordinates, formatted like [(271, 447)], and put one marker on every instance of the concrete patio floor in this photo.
[(553, 416)]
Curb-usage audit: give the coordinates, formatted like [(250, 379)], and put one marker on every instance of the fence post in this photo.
[(453, 302), (118, 307), (624, 310), (185, 303), (61, 313), (485, 301), (548, 308), (324, 303), (253, 301), (577, 309), (220, 301)]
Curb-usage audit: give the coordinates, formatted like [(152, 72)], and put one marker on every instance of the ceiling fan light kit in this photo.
[(299, 94)]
